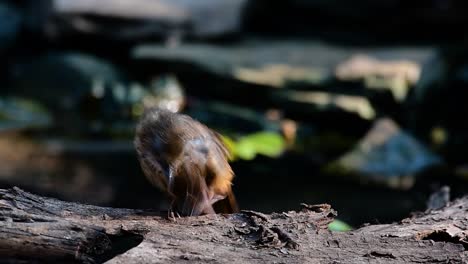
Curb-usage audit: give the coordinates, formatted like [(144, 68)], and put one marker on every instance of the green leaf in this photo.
[(269, 144), (266, 143), (230, 145), (245, 150), (339, 226)]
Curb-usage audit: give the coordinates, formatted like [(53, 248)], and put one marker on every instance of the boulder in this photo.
[(386, 155), (147, 18)]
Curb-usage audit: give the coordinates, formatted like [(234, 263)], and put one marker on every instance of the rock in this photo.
[(87, 94), (243, 72), (10, 22), (278, 63), (81, 91), (148, 18), (302, 70), (61, 80), (386, 155), (231, 118), (338, 119), (264, 62), (323, 101), (396, 75)]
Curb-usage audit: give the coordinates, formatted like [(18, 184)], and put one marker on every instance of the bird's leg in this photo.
[(170, 215), (172, 211)]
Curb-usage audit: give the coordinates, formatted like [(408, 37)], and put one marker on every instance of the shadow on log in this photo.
[(39, 229)]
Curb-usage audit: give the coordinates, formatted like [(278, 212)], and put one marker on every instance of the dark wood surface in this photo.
[(39, 229)]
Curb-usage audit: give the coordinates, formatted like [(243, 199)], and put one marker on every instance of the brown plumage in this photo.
[(187, 160)]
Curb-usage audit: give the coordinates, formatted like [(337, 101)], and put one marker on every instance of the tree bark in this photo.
[(38, 229)]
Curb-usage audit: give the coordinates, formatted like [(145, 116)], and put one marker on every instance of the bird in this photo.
[(186, 160)]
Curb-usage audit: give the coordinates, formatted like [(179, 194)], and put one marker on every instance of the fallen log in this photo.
[(40, 229)]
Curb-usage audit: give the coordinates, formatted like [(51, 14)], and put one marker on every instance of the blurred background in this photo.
[(358, 104)]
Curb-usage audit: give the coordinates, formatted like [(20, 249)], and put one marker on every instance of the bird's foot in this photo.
[(173, 216)]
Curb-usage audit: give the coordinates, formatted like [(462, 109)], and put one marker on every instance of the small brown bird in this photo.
[(187, 160)]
